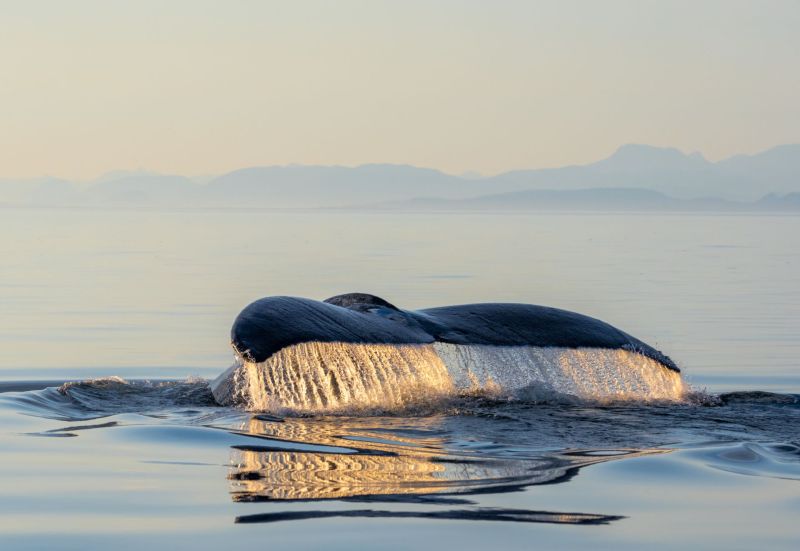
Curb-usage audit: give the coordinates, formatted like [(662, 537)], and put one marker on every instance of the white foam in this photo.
[(318, 377)]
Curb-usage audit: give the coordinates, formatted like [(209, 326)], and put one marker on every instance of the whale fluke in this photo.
[(359, 350)]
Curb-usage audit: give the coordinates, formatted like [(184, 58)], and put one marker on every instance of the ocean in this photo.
[(114, 321)]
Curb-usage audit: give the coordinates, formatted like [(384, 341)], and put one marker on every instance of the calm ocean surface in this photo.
[(141, 295)]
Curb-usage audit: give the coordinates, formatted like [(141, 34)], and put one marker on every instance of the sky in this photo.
[(199, 87)]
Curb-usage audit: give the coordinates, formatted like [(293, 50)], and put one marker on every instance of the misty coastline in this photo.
[(634, 178)]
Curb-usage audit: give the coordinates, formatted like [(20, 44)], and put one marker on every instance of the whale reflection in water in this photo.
[(354, 461)]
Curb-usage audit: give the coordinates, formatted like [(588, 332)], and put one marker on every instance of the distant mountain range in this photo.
[(634, 177), (594, 199)]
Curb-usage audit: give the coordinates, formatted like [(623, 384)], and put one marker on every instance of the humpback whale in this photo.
[(359, 351)]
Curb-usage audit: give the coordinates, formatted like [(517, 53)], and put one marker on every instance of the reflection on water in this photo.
[(261, 475), (475, 460), (496, 514), (511, 462), (384, 465)]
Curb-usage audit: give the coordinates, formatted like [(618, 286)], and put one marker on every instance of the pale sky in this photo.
[(202, 87)]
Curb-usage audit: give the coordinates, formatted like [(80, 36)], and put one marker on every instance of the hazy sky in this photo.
[(201, 87)]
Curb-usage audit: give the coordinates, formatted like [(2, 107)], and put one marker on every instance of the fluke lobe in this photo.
[(270, 324)]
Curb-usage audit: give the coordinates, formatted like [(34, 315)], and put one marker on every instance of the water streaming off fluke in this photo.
[(323, 378)]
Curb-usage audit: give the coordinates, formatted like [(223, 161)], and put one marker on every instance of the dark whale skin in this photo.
[(272, 323)]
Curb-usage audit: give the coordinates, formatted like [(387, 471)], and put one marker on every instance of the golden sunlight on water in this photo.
[(319, 377), (378, 465)]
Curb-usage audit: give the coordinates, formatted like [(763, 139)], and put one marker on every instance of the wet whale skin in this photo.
[(269, 324)]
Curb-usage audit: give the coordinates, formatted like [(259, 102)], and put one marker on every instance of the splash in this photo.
[(326, 378), (320, 377), (538, 373)]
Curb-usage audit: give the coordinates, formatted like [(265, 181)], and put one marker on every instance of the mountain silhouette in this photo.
[(680, 180)]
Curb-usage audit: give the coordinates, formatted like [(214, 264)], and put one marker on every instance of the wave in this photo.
[(474, 394), (115, 392), (758, 397), (336, 378), (105, 396), (183, 408)]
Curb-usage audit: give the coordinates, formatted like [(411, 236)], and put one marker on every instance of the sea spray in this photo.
[(324, 378)]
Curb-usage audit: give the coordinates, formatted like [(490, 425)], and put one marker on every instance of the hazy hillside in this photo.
[(142, 189), (316, 186), (596, 199), (667, 171), (790, 201)]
